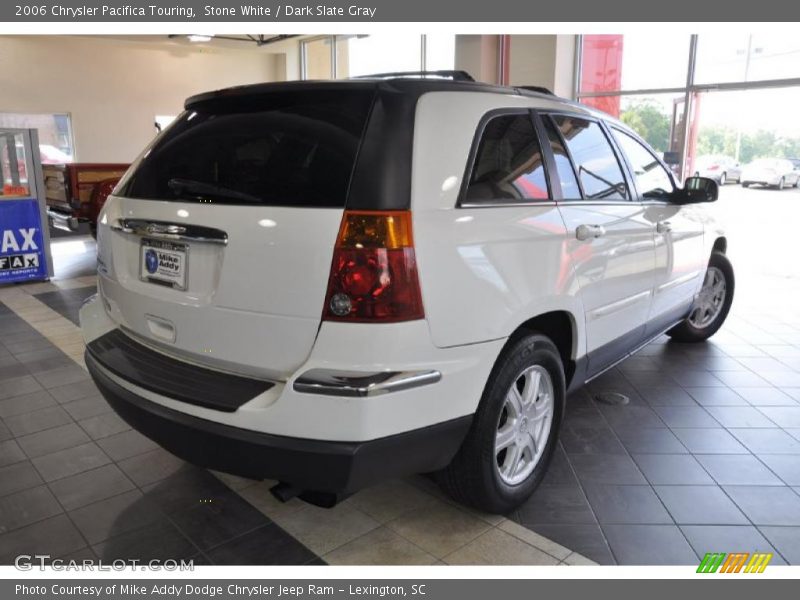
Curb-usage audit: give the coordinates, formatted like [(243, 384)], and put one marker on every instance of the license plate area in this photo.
[(163, 263)]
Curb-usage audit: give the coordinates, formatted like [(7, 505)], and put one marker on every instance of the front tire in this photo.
[(712, 305), (514, 432), (745, 184)]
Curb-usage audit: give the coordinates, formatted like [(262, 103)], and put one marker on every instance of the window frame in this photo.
[(621, 160), (636, 137), (473, 153)]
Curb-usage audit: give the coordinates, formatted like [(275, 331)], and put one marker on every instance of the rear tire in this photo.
[(723, 179), (782, 183), (495, 478), (709, 310), (745, 184)]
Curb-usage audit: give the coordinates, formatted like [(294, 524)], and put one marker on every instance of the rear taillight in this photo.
[(713, 168), (374, 272)]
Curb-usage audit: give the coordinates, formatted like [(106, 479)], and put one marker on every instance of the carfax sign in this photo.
[(22, 245)]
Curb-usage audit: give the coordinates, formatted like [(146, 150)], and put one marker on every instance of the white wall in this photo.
[(545, 60), (477, 55), (114, 88)]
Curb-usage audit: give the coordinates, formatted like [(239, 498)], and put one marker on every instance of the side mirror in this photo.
[(697, 190)]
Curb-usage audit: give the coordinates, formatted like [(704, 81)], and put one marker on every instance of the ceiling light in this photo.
[(196, 37)]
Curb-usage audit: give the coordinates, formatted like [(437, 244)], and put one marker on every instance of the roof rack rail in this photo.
[(443, 74), (536, 88)]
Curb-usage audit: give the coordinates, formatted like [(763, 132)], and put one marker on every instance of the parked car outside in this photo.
[(329, 284), (722, 169), (774, 172)]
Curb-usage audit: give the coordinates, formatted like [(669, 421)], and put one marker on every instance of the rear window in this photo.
[(509, 166), (279, 149)]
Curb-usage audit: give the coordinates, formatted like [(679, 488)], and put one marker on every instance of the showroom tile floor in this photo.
[(704, 457)]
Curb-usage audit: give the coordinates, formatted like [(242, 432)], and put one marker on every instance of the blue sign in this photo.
[(22, 249)]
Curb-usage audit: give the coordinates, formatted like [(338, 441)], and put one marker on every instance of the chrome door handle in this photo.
[(588, 232), (663, 227)]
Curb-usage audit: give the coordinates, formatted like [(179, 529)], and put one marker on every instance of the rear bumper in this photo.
[(313, 465)]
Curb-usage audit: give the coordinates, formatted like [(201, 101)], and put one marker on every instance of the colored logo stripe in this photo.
[(735, 562)]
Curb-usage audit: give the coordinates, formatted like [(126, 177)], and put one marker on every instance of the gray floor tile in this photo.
[(151, 466), (669, 396), (740, 416), (607, 468), (626, 504), (768, 396), (685, 416), (156, 541), (730, 469), (709, 441), (53, 440), (103, 426), (590, 440), (90, 486), (38, 420), (115, 515), (17, 477), (10, 453), (91, 406), (767, 505), (587, 540), (74, 391), (649, 545), (28, 506), (55, 536), (672, 469), (631, 416), (784, 416), (785, 466), (726, 538), (267, 545), (70, 462), (560, 471), (551, 504), (785, 540), (716, 396), (700, 505), (650, 441), (767, 441), (51, 378), (126, 444), (25, 403)]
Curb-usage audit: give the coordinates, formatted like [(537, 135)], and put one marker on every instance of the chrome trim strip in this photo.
[(171, 231), (618, 305), (355, 384), (677, 281)]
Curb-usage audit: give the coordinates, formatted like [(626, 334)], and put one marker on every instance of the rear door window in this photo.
[(508, 165), (280, 149), (598, 169)]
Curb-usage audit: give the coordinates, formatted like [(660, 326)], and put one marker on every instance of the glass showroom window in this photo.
[(357, 55), (55, 133), (611, 63), (741, 57)]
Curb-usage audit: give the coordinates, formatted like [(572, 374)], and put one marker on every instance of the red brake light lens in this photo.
[(374, 272)]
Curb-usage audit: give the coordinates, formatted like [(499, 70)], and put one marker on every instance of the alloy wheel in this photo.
[(710, 300), (524, 425)]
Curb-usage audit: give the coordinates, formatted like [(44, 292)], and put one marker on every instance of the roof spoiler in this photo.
[(535, 88), (455, 75)]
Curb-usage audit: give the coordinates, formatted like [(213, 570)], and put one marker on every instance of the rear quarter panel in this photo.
[(483, 271)]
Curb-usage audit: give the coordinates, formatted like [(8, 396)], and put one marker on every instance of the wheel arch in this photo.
[(720, 245), (558, 325)]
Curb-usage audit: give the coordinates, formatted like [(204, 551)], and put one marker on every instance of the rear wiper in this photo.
[(202, 188)]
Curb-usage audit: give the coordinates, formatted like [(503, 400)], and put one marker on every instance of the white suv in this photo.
[(332, 283)]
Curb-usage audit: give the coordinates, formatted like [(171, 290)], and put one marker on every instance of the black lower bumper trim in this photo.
[(318, 465)]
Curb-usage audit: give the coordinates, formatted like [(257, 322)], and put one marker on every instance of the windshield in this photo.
[(279, 149)]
